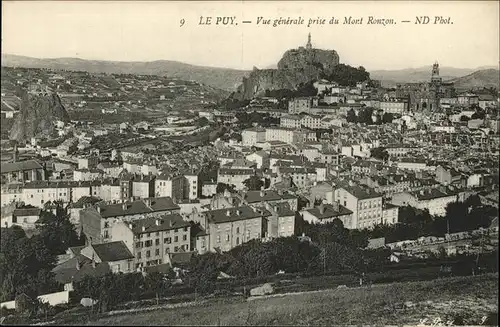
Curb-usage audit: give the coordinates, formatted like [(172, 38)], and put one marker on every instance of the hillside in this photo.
[(37, 116), (416, 75), (222, 78), (486, 78), (464, 300)]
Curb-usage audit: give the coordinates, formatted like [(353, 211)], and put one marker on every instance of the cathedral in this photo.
[(426, 96)]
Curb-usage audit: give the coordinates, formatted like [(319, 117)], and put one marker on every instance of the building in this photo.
[(153, 240), (327, 213), (94, 260), (390, 214), (143, 186), (228, 228), (236, 177), (394, 106), (302, 120), (252, 136), (96, 221), (261, 158), (286, 135), (414, 164), (191, 186), (449, 176), (23, 171), (268, 197), (364, 202), (24, 218), (301, 177), (169, 185), (302, 104), (434, 199), (281, 222)]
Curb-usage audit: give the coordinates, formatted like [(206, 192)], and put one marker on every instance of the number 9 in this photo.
[(182, 22)]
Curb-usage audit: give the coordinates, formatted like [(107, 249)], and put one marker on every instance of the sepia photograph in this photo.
[(213, 163)]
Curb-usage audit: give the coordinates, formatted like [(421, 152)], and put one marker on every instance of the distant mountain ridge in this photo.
[(221, 78), (229, 79), (421, 74), (485, 78)]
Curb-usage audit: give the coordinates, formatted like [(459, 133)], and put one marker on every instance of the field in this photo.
[(465, 300)]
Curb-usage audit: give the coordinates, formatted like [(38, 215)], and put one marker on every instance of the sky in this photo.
[(147, 31)]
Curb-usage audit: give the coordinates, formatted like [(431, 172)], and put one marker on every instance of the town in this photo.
[(147, 175)]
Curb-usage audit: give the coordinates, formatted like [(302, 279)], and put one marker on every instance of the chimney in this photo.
[(336, 206), (443, 188), (228, 213), (321, 208), (124, 206), (77, 264), (98, 208), (171, 223), (422, 192), (130, 226), (143, 228), (262, 193), (158, 222), (238, 212)]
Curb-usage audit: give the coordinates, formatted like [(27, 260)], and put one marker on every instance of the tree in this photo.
[(156, 283), (351, 116), (387, 117), (464, 118), (254, 183), (347, 75), (203, 121), (379, 153), (222, 187), (365, 116), (25, 265), (57, 231)]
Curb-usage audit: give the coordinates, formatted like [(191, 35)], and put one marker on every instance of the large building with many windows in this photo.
[(153, 240)]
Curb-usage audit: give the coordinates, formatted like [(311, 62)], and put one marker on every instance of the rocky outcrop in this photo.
[(295, 67), (37, 115)]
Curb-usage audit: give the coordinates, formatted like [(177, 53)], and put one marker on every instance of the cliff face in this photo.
[(37, 115), (295, 67)]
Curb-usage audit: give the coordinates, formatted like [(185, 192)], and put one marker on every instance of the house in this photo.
[(433, 199), (233, 176), (93, 260), (22, 171), (326, 213), (261, 158), (253, 136), (25, 218), (152, 240), (96, 221), (170, 185), (230, 227), (258, 198), (448, 176), (364, 202), (281, 222)]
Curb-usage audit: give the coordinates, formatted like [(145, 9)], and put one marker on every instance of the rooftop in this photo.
[(163, 223), (234, 214), (329, 211), (112, 251), (20, 166)]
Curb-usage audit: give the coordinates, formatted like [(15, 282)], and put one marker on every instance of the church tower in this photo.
[(309, 45), (435, 78)]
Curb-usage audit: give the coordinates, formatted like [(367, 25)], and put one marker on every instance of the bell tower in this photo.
[(435, 78), (309, 45)]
